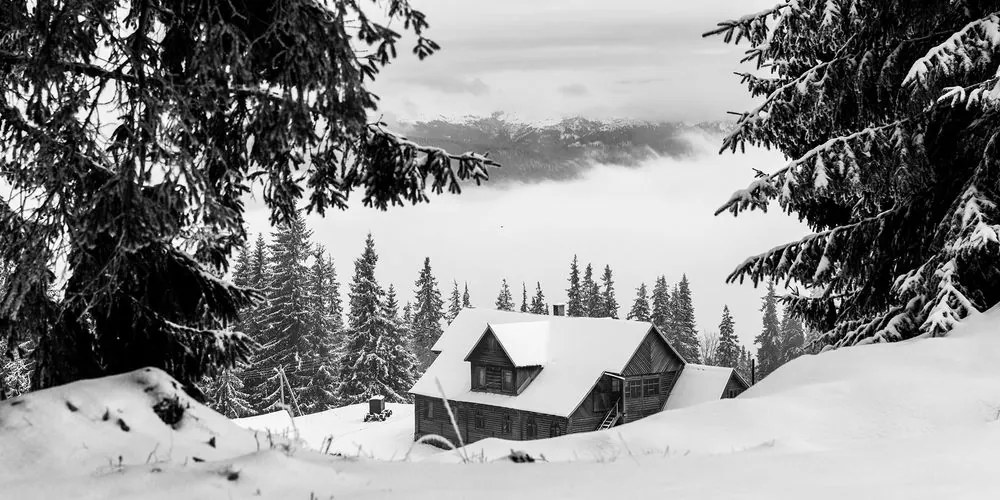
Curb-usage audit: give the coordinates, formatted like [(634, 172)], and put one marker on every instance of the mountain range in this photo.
[(561, 150)]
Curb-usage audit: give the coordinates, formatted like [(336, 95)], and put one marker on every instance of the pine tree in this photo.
[(769, 353), (685, 336), (408, 315), (574, 305), (133, 132), (226, 395), (286, 323), (609, 305), (427, 316), (660, 315), (640, 308), (334, 303), (792, 337), (728, 352), (889, 113), (524, 297), (371, 338), (466, 301), (590, 294), (319, 374), (746, 366), (538, 305), (403, 363), (505, 302), (455, 304), (252, 323)]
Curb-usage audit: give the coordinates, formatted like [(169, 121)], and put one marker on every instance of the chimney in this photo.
[(558, 309)]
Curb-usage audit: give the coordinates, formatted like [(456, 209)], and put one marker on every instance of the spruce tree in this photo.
[(660, 315), (371, 338), (466, 300), (685, 336), (574, 305), (609, 304), (428, 313), (728, 351), (455, 303), (252, 323), (319, 372), (769, 353), (590, 294), (15, 369), (640, 308), (792, 337), (335, 305), (132, 134), (402, 361), (286, 323), (888, 112), (226, 395), (538, 305), (505, 301)]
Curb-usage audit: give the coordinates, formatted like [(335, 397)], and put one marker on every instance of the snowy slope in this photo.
[(917, 420), (351, 435)]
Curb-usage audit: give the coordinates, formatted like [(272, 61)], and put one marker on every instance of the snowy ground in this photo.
[(343, 431), (915, 420)]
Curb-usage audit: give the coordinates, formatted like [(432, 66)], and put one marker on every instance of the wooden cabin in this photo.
[(521, 376)]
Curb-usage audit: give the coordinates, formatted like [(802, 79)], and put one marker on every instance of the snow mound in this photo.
[(343, 431), (103, 425), (841, 399)]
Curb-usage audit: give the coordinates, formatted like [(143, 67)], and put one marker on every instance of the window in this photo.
[(508, 380), (479, 420), (480, 376), (530, 428), (615, 385), (429, 409), (651, 386), (634, 389), (555, 430), (505, 424), (732, 393), (601, 402)]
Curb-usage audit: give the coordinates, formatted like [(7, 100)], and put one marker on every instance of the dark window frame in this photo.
[(530, 427), (650, 386), (428, 410), (504, 384), (478, 419), (505, 424), (480, 374), (633, 388), (555, 429)]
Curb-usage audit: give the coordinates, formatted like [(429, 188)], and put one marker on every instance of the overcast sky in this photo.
[(544, 60)]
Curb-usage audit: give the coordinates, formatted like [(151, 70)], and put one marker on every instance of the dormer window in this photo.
[(508, 381), (481, 376)]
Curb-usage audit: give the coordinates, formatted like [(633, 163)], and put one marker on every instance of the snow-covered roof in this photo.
[(698, 384), (525, 343), (574, 353)]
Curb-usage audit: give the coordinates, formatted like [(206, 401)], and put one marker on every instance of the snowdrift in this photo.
[(913, 420), (102, 425), (343, 431), (842, 398)]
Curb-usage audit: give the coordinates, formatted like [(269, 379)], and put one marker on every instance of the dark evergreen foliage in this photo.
[(574, 304), (769, 356), (505, 301), (640, 308), (683, 335), (538, 305), (428, 312), (132, 132), (454, 303), (729, 350), (609, 304), (889, 114)]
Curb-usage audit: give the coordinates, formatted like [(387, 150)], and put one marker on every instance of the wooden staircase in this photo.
[(611, 418)]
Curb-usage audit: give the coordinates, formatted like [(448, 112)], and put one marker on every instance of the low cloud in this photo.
[(451, 85), (574, 90)]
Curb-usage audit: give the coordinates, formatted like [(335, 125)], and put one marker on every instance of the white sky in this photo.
[(544, 59)]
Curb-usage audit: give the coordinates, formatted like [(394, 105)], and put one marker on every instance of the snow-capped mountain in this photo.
[(559, 150)]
